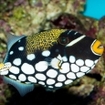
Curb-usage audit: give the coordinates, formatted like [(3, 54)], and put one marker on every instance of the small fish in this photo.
[(52, 58)]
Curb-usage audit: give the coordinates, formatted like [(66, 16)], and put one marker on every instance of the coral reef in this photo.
[(32, 16)]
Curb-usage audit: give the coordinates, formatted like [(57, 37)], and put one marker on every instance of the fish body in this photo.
[(52, 58)]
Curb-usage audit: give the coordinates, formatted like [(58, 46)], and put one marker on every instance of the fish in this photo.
[(53, 58)]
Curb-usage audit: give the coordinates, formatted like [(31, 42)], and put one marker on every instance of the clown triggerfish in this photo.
[(52, 58)]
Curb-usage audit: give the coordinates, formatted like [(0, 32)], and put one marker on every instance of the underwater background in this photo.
[(32, 16)]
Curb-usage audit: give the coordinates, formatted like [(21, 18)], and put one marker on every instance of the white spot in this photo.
[(80, 74), (80, 62), (55, 62), (51, 73), (27, 68), (41, 83), (12, 76), (5, 72), (8, 64), (22, 77), (50, 87), (21, 48), (84, 68), (96, 61), (89, 62), (50, 81), (40, 76), (30, 57), (58, 84), (74, 68), (88, 71), (65, 68), (71, 75), (17, 61), (92, 67), (11, 52), (14, 70), (64, 58), (59, 57), (27, 82), (41, 66), (46, 53), (61, 77), (72, 59), (68, 82), (32, 79)]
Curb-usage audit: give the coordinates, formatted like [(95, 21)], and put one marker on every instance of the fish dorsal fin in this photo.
[(11, 39)]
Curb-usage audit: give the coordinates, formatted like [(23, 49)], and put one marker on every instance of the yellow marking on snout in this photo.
[(5, 66), (1, 65)]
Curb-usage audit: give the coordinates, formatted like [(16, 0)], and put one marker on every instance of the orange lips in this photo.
[(97, 48)]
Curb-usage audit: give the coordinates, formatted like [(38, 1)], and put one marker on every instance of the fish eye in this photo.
[(63, 40)]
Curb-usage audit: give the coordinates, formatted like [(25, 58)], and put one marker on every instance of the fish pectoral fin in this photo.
[(22, 88)]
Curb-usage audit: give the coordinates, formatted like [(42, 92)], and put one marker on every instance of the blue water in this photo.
[(95, 8)]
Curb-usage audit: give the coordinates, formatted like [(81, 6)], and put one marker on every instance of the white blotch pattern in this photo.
[(61, 77), (30, 57), (27, 68), (40, 76), (80, 74), (11, 52), (65, 68), (4, 72), (41, 83), (58, 84), (46, 53), (21, 48), (88, 71), (96, 61), (27, 83), (74, 68), (12, 76), (64, 58), (14, 70), (41, 66), (17, 61), (32, 79), (59, 57), (8, 64), (50, 81), (80, 62), (54, 63), (92, 67), (84, 69), (68, 82), (89, 62), (71, 75), (71, 59), (51, 73), (50, 86), (22, 77)]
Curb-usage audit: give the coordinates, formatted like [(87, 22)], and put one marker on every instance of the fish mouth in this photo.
[(97, 47)]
